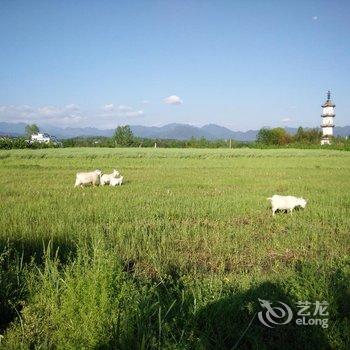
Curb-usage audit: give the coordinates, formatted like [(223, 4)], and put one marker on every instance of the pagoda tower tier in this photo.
[(327, 125)]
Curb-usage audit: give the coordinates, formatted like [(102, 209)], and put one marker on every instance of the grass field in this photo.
[(178, 256)]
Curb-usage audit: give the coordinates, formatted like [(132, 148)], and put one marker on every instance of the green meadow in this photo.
[(178, 256)]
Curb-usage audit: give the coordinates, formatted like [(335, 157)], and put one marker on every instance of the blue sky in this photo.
[(241, 64)]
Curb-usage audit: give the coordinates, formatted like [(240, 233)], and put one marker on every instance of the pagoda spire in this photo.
[(328, 95)]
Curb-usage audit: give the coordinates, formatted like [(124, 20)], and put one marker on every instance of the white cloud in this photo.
[(69, 114), (72, 107), (108, 107), (121, 111), (286, 120), (49, 111), (315, 18), (173, 100), (145, 102), (13, 113), (124, 108), (66, 113), (134, 114)]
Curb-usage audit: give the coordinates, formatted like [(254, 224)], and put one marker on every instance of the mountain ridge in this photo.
[(176, 131)]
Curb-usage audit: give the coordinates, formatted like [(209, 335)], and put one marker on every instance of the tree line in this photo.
[(280, 137), (124, 137), (266, 138)]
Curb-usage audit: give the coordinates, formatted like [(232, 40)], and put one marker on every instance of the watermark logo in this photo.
[(308, 314), (312, 314), (274, 315)]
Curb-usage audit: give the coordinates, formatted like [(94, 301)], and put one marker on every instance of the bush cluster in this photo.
[(21, 143)]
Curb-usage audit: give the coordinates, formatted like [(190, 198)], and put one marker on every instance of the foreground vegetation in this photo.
[(178, 256)]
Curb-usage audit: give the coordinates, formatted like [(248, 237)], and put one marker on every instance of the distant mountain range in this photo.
[(169, 131)]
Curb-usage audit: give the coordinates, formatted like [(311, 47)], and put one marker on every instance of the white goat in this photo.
[(116, 181), (286, 203), (106, 178), (92, 177)]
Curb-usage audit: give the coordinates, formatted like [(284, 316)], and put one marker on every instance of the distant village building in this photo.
[(43, 138), (328, 114)]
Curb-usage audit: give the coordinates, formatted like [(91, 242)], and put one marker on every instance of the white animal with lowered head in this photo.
[(106, 178), (116, 181), (286, 203), (92, 177)]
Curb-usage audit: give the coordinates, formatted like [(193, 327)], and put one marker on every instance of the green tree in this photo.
[(280, 136), (264, 136), (299, 136), (31, 129), (308, 136), (276, 136), (123, 136), (313, 135)]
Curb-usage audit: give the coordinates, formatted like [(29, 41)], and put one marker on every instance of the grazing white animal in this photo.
[(92, 177), (286, 203), (116, 181), (106, 178)]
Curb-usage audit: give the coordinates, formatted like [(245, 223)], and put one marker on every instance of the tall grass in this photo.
[(178, 256)]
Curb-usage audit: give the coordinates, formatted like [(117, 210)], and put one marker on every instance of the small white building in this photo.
[(43, 138), (328, 114)]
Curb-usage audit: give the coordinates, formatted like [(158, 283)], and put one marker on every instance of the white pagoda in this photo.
[(328, 114)]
